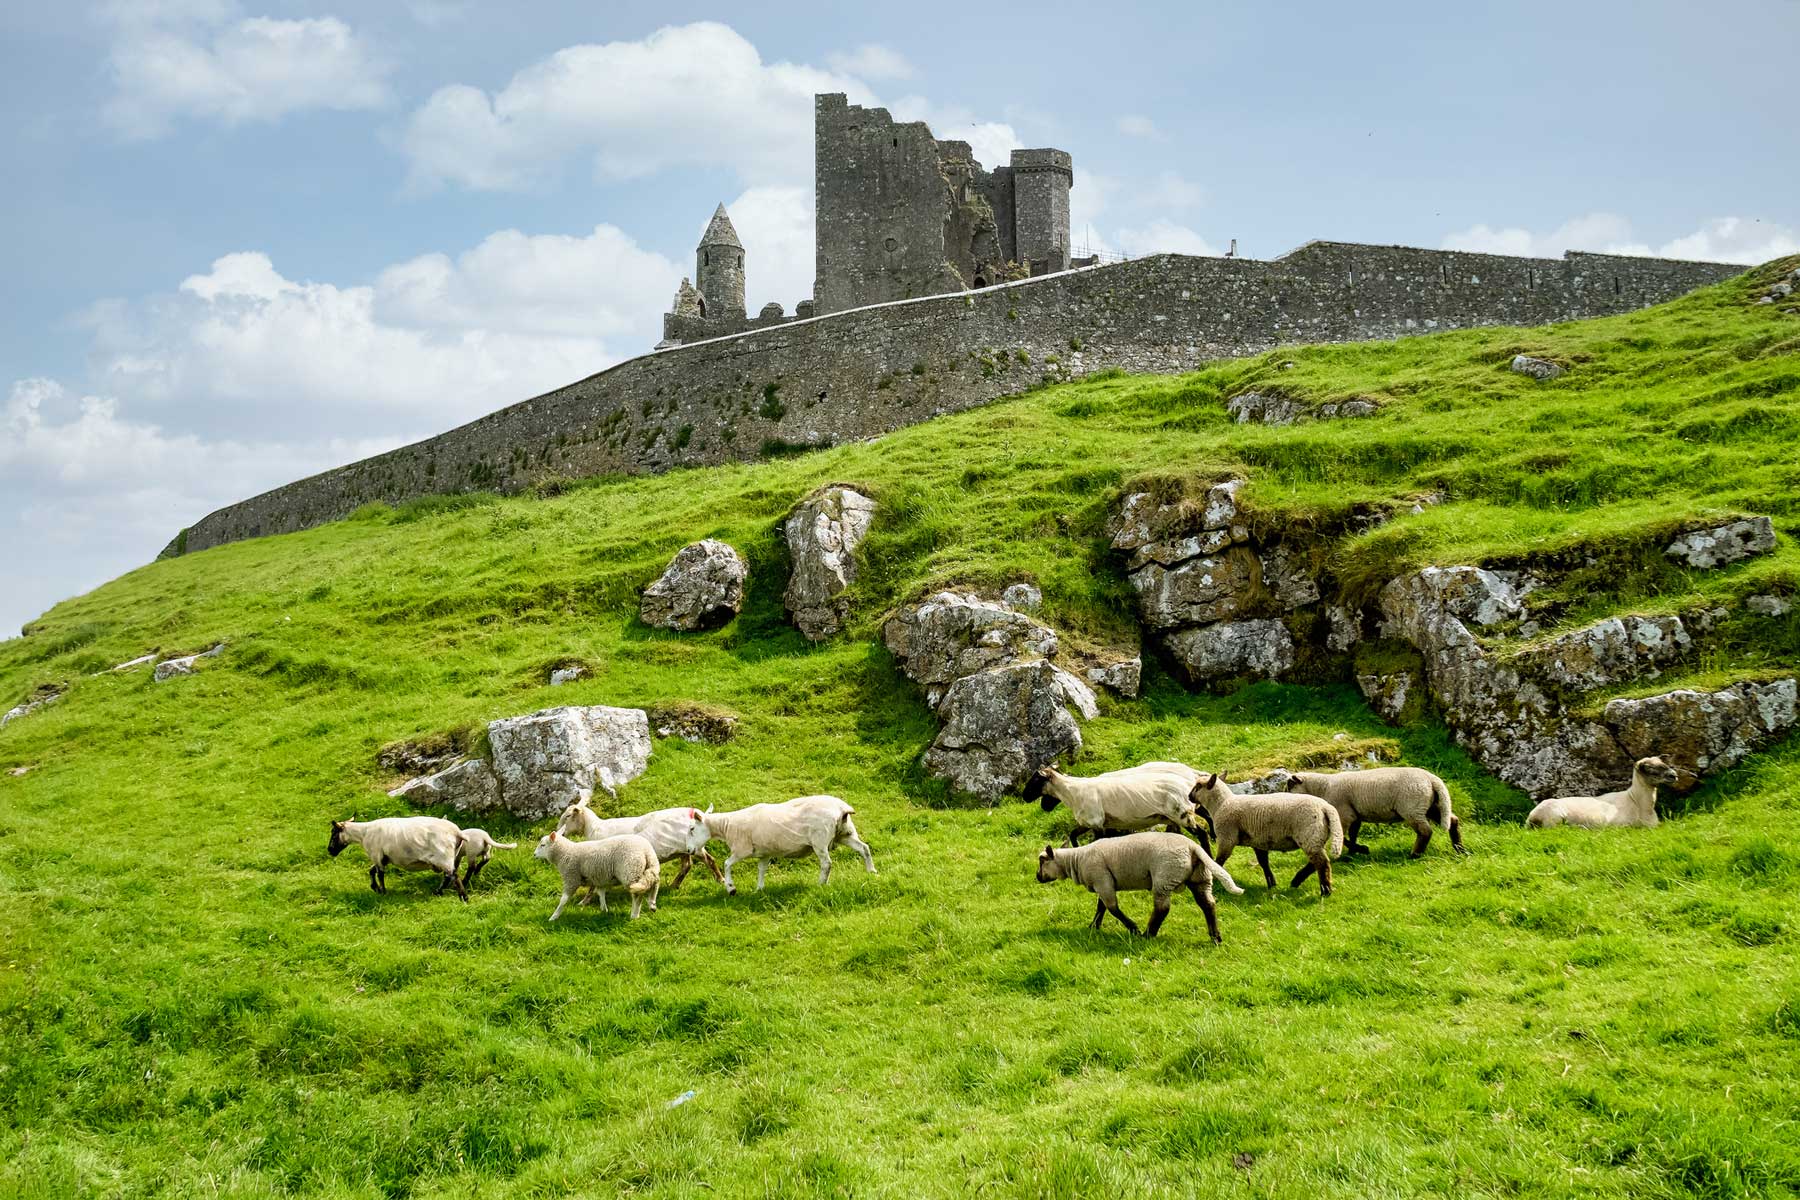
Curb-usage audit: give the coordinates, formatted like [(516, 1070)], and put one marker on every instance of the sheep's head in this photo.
[(1049, 870), (1034, 789), (338, 841), (1204, 789), (544, 845), (1655, 771), (574, 818)]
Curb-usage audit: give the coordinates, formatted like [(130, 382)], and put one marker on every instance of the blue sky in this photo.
[(248, 241)]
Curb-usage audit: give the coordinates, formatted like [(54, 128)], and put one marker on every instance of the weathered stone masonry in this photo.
[(868, 371)]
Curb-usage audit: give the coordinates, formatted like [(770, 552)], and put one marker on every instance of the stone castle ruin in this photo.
[(941, 286), (898, 214)]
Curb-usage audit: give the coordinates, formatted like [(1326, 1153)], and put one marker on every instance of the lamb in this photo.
[(1134, 799), (628, 861), (478, 846), (1411, 796), (409, 843), (1635, 806), (791, 829), (1157, 863), (1274, 821), (675, 832)]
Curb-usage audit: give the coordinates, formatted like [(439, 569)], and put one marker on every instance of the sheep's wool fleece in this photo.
[(793, 827), (1141, 862), (1135, 796)]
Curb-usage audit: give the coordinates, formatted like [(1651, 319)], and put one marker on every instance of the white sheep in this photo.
[(1157, 863), (1635, 806), (627, 861), (1126, 801), (791, 829), (1410, 796), (675, 832), (407, 843), (477, 847), (1273, 821)]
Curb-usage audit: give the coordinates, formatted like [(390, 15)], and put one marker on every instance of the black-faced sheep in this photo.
[(1410, 796), (1157, 863), (406, 843), (1125, 801), (1275, 821), (791, 829), (1636, 805), (627, 861)]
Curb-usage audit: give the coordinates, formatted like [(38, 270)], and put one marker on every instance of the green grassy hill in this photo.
[(196, 1001)]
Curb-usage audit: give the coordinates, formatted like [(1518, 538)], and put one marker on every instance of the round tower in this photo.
[(1041, 183), (719, 269)]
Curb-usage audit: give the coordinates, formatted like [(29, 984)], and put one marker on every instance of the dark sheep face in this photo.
[(1034, 790), (338, 841), (1048, 870)]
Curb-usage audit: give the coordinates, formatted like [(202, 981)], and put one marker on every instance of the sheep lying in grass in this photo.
[(1157, 863), (1127, 801), (675, 832), (627, 861), (477, 848), (408, 843), (1275, 821), (791, 829), (1410, 796), (1636, 805)]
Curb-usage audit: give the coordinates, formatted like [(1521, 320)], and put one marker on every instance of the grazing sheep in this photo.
[(1274, 821), (1157, 863), (1410, 796), (626, 861), (408, 843), (1127, 801), (791, 829), (477, 847), (1636, 805), (675, 832)]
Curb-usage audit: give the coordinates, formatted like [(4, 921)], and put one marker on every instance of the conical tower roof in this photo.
[(719, 232)]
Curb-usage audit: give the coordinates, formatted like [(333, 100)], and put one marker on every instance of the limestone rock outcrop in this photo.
[(1540, 369), (950, 635), (698, 723), (542, 762), (45, 694), (1722, 545), (1023, 596), (1615, 650), (1703, 731), (1266, 409), (169, 668), (702, 588), (1123, 677), (1261, 649), (822, 535), (1000, 725)]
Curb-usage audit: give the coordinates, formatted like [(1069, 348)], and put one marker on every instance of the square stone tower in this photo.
[(900, 214)]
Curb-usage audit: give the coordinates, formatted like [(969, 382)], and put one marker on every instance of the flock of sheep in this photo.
[(1119, 812)]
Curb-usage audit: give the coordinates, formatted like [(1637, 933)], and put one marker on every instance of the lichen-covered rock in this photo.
[(140, 661), (1077, 694), (1390, 694), (48, 693), (1343, 627), (698, 723), (1172, 551), (1284, 574), (702, 588), (1420, 607), (1279, 780), (546, 759), (1725, 544), (1000, 725), (421, 755), (1023, 596), (1122, 678), (1264, 409), (469, 786), (169, 668), (1356, 406), (1540, 369), (1196, 591), (1607, 652), (1233, 649), (1141, 519), (562, 675), (822, 535), (1703, 731), (949, 636), (1768, 606)]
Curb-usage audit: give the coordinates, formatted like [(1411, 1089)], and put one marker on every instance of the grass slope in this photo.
[(195, 1001)]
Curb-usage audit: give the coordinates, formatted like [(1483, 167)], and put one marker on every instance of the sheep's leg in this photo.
[(1203, 897), (451, 879), (1351, 845), (1312, 864), (473, 871), (1110, 899), (687, 864), (637, 905), (375, 879), (1422, 829), (762, 870), (601, 892), (1324, 876), (850, 839), (1159, 912), (730, 888), (1456, 836), (711, 865), (823, 854), (567, 894), (1099, 914), (1262, 860), (654, 889), (443, 882)]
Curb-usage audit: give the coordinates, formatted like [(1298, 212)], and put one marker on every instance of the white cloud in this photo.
[(686, 95), (1723, 239), (992, 141), (1139, 126), (194, 60), (1162, 236), (870, 62), (1170, 190)]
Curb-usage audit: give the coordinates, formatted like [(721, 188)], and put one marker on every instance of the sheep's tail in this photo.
[(1438, 811), (506, 845), (1219, 874), (648, 877), (1335, 824)]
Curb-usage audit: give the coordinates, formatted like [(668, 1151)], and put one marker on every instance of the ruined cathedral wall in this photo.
[(865, 372)]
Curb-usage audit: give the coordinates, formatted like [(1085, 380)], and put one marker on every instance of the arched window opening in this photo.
[(706, 258)]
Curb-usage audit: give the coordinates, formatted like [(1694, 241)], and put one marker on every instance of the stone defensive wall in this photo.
[(856, 374)]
